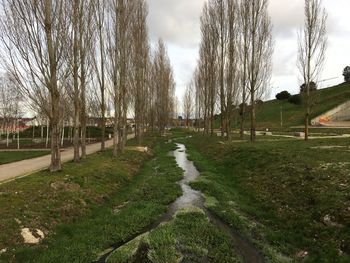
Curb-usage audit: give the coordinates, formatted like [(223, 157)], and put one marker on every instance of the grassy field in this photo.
[(291, 198), (269, 114), (9, 157), (88, 207)]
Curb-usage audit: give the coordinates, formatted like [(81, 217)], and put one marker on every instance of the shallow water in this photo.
[(194, 199), (190, 198)]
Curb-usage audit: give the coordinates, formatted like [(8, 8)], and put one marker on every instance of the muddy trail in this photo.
[(194, 199)]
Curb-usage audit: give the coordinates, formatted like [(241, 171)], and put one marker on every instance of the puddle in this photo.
[(194, 199)]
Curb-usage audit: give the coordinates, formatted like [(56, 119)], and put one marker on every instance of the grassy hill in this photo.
[(269, 114)]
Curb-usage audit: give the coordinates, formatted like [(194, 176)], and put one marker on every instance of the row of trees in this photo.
[(71, 59), (235, 61), (234, 66), (9, 107)]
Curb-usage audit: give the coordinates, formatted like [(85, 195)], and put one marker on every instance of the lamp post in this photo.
[(282, 115)]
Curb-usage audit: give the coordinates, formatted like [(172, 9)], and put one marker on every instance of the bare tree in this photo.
[(86, 34), (260, 49), (164, 83), (100, 65), (9, 104), (243, 55), (188, 103), (198, 98), (119, 38), (140, 65), (312, 49), (75, 11), (218, 63), (208, 65), (33, 44), (221, 33), (232, 69)]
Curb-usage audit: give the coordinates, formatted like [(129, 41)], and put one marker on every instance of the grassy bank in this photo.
[(291, 199), (89, 206), (188, 238), (269, 114), (9, 157)]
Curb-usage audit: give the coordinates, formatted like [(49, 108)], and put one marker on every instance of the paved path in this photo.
[(23, 168)]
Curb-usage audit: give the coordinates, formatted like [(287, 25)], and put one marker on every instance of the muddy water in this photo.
[(194, 199)]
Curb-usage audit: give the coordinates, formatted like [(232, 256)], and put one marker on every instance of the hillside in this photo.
[(269, 114)]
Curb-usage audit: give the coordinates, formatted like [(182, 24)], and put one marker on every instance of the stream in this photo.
[(194, 199)]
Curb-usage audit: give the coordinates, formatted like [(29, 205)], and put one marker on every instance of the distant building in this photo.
[(14, 124)]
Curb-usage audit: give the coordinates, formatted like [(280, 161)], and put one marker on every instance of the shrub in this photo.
[(295, 99), (346, 74), (284, 95), (246, 108), (313, 87), (259, 102)]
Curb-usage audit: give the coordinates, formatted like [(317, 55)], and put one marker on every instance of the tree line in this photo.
[(234, 64), (74, 59), (235, 61)]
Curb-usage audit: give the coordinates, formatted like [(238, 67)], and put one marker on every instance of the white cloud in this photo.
[(177, 22)]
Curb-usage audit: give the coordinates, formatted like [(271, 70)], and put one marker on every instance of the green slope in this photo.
[(269, 114)]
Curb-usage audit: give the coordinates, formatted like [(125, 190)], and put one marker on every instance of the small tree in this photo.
[(346, 74), (312, 50)]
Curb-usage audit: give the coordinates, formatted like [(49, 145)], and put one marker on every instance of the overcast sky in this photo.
[(177, 22)]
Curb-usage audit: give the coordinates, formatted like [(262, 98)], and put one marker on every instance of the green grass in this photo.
[(279, 193), (88, 207), (9, 157), (190, 237), (268, 114)]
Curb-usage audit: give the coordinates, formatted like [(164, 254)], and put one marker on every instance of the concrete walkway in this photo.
[(12, 171)]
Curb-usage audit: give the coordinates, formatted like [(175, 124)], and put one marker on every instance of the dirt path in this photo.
[(23, 168)]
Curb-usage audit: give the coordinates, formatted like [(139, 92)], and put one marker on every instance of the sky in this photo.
[(177, 23)]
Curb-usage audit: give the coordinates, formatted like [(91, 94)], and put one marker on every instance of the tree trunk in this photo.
[(62, 139), (76, 83), (54, 92), (47, 133), (83, 100), (103, 107), (83, 124), (307, 116), (115, 136), (252, 119), (42, 132), (7, 137), (55, 135), (18, 134)]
